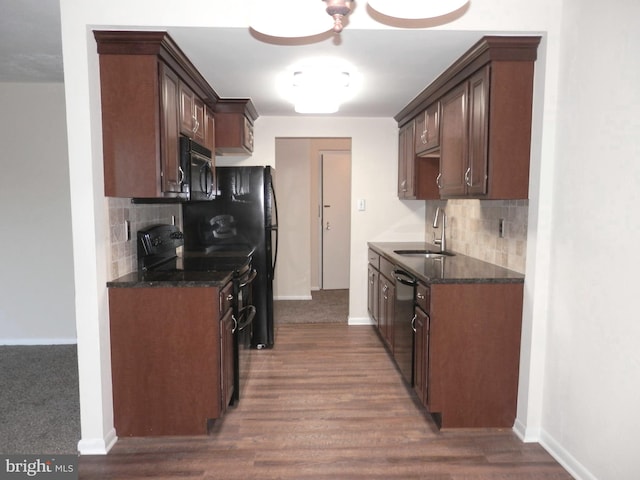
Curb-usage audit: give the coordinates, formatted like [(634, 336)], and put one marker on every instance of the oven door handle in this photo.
[(251, 278), (249, 312)]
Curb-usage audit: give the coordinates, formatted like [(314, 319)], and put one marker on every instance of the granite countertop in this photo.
[(190, 270), (449, 269), (172, 279)]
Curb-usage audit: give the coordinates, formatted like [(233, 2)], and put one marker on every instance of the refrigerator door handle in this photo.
[(274, 226)]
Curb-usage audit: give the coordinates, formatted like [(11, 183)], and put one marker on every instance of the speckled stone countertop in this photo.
[(172, 279), (449, 269), (193, 270)]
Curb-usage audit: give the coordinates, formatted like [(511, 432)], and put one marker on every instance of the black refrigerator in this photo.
[(243, 216)]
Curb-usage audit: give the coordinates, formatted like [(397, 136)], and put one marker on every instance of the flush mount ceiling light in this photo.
[(303, 18), (319, 85), (319, 90)]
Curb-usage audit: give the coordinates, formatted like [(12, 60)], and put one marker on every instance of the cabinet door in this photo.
[(385, 311), (421, 355), (186, 110), (192, 115), (199, 127), (476, 173), (427, 134), (226, 359), (172, 175), (247, 139), (209, 130), (372, 297), (406, 184), (453, 142)]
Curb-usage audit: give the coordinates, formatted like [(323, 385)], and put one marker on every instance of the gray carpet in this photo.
[(326, 306), (39, 400)]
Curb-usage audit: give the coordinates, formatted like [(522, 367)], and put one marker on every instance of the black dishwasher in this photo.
[(402, 324)]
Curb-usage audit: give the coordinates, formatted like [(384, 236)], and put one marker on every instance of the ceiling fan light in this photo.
[(338, 9), (416, 9), (289, 18)]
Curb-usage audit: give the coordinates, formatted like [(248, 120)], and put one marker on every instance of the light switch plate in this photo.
[(362, 204)]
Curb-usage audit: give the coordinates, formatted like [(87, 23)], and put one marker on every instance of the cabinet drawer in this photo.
[(423, 296), (226, 297), (374, 259), (386, 269)]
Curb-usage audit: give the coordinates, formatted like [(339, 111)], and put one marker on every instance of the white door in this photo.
[(336, 220)]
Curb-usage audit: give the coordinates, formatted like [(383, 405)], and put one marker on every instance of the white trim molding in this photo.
[(98, 446)]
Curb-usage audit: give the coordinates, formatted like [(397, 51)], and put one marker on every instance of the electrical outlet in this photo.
[(501, 228)]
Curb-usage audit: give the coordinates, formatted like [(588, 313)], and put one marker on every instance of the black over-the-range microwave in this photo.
[(196, 162)]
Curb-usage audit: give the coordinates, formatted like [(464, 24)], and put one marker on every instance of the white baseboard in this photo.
[(293, 297), (564, 458), (98, 446), (557, 451), (527, 435), (38, 341), (360, 321)]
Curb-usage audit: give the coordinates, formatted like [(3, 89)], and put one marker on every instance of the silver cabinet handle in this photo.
[(196, 124), (438, 180), (413, 323), (467, 178), (235, 324), (181, 176), (403, 184), (229, 297), (420, 296), (424, 136)]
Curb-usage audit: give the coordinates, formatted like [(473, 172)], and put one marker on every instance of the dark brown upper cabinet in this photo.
[(428, 129), (234, 120), (150, 94), (484, 123), (406, 174)]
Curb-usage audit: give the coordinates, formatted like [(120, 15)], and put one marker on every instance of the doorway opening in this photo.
[(305, 259)]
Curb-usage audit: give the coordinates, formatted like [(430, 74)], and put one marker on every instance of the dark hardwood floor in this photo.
[(326, 403)]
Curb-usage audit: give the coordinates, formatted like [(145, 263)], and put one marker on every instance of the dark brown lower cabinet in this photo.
[(473, 353), (165, 359), (386, 310)]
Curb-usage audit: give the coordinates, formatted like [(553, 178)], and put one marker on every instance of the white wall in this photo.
[(592, 363), (36, 284), (293, 175)]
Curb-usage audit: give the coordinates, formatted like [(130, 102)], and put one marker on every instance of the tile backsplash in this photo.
[(473, 229), (123, 252)]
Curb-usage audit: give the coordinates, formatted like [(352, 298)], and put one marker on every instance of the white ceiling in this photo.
[(395, 65)]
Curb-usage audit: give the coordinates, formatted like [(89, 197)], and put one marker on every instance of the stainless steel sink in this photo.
[(424, 253)]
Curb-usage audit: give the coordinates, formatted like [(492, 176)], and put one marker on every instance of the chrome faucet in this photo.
[(442, 241)]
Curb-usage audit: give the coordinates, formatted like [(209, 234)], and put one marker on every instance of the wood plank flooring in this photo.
[(326, 403)]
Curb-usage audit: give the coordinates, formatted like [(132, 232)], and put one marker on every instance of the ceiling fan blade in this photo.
[(416, 9), (290, 18)]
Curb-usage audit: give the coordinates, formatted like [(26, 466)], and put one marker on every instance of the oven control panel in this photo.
[(159, 239)]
